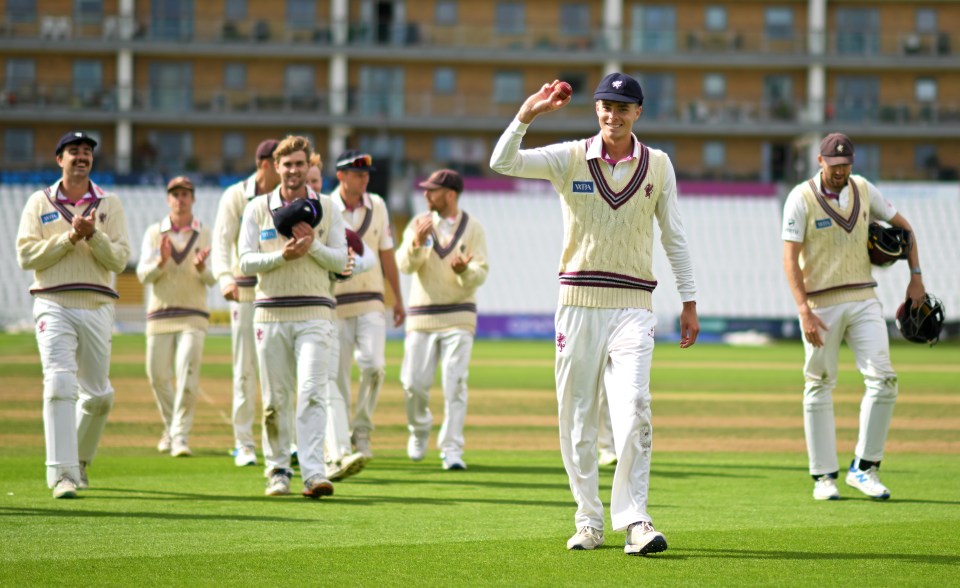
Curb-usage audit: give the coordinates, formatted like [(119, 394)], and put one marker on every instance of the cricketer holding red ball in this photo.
[(611, 187)]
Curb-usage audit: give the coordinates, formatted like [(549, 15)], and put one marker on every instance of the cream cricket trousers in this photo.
[(74, 349), (362, 338), (421, 352), (861, 325), (173, 368), (244, 372), (611, 348), (295, 359)]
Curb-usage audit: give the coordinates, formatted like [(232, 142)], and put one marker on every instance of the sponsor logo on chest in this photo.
[(823, 223), (49, 217), (583, 187), (267, 234)]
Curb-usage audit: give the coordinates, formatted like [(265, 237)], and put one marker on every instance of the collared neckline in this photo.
[(597, 150), (94, 193), (365, 201), (166, 225), (276, 202)]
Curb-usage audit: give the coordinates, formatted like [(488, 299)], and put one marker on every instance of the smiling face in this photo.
[(834, 176), (315, 179), (293, 172), (76, 160), (617, 118)]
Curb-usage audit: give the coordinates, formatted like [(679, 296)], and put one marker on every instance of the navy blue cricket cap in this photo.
[(619, 87), (355, 160), (74, 137)]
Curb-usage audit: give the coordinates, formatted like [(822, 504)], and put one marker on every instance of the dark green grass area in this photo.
[(730, 519)]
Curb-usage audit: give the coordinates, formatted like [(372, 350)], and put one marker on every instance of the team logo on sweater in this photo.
[(823, 223), (103, 216), (647, 190), (49, 217), (583, 187)]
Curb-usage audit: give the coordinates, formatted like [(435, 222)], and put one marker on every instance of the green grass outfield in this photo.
[(728, 488)]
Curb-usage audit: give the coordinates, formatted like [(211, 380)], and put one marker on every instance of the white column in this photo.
[(613, 18), (816, 78), (338, 81), (817, 26), (124, 141)]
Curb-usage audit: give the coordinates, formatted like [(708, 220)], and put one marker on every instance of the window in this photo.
[(88, 11), (867, 163), (715, 18), (857, 98), (778, 96), (858, 31), (442, 148), (18, 145), (654, 29), (575, 19), (925, 158), (778, 24), (298, 82), (714, 154), (21, 11), (445, 12), (171, 85), (925, 90), (87, 80), (235, 10), (234, 148), (715, 85), (21, 75), (172, 19), (381, 90), (510, 18), (235, 76), (507, 87), (174, 149), (659, 94), (301, 14), (667, 147), (926, 20), (444, 80)]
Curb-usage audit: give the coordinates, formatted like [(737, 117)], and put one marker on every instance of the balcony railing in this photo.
[(211, 102), (539, 40)]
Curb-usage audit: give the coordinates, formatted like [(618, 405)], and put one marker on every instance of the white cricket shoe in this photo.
[(417, 447), (361, 443), (244, 456), (642, 539), (453, 462), (317, 486), (825, 488), (84, 482), (163, 446), (607, 458), (586, 538), (278, 483), (179, 448), (65, 487), (867, 482), (348, 465)]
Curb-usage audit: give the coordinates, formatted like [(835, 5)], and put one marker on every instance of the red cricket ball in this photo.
[(565, 90)]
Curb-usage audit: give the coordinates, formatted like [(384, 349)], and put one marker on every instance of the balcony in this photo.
[(475, 42)]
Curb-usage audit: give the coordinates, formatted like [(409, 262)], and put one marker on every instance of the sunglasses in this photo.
[(358, 161)]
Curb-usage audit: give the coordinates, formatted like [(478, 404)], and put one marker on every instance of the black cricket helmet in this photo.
[(923, 323), (887, 244)]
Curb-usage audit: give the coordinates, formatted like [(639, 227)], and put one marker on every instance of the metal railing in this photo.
[(531, 39)]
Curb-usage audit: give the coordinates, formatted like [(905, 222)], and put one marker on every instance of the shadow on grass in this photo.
[(341, 499), (950, 560), (60, 513)]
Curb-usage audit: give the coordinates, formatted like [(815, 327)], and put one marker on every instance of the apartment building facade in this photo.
[(735, 90)]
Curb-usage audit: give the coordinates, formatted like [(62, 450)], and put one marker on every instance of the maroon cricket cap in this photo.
[(444, 178), (836, 149), (180, 182), (266, 148)]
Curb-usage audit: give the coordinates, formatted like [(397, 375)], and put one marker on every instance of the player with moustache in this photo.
[(238, 290), (294, 314), (173, 262), (611, 187), (73, 236)]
